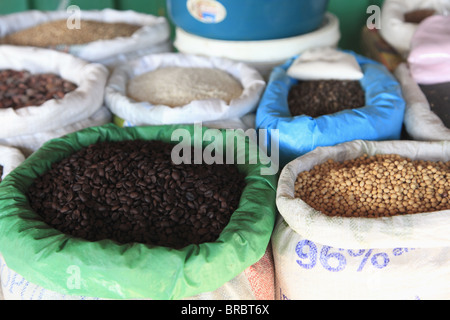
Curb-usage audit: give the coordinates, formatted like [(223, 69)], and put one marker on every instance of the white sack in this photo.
[(153, 37), (10, 158), (322, 257), (212, 110), (420, 122), (395, 30), (325, 64), (54, 114), (30, 143)]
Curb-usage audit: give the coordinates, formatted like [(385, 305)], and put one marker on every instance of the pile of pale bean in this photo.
[(376, 186)]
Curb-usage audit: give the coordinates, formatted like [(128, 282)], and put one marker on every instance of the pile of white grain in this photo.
[(179, 86)]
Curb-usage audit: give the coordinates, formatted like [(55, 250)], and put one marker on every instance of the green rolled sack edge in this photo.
[(107, 270)]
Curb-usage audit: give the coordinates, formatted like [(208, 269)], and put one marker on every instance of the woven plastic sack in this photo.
[(420, 122), (41, 257), (380, 119), (394, 258), (152, 37), (134, 113), (76, 106)]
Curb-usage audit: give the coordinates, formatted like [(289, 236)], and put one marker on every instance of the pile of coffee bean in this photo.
[(376, 186), (322, 97), (19, 89), (132, 192), (438, 96), (54, 33)]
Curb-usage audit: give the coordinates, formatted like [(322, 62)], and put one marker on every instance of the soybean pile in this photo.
[(132, 192), (376, 186)]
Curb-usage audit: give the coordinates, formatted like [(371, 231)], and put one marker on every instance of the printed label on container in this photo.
[(207, 11), (332, 259)]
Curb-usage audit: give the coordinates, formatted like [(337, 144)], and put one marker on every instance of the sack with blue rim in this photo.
[(380, 119)]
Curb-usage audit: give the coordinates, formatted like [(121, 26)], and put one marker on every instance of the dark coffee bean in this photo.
[(134, 195), (209, 194), (83, 197), (190, 196), (65, 209), (86, 189), (323, 97), (176, 175), (141, 198)]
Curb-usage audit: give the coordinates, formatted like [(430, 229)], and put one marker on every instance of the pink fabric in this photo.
[(429, 58)]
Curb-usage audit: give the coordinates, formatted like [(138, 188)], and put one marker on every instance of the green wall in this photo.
[(351, 13)]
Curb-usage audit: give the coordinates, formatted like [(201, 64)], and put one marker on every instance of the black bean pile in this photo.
[(131, 192), (322, 97), (19, 89), (1, 172), (438, 96)]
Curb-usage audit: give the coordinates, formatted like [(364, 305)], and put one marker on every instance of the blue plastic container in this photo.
[(247, 20)]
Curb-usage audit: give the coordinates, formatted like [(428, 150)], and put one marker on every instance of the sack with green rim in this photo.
[(41, 262)]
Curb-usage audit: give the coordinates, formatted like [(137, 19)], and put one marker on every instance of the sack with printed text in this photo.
[(398, 257)]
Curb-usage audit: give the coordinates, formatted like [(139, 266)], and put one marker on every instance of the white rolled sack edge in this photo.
[(421, 230), (54, 114)]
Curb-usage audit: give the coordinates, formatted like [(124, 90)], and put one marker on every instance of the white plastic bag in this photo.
[(395, 30), (420, 122), (325, 64), (153, 37), (76, 106), (213, 110), (322, 257), (10, 158)]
